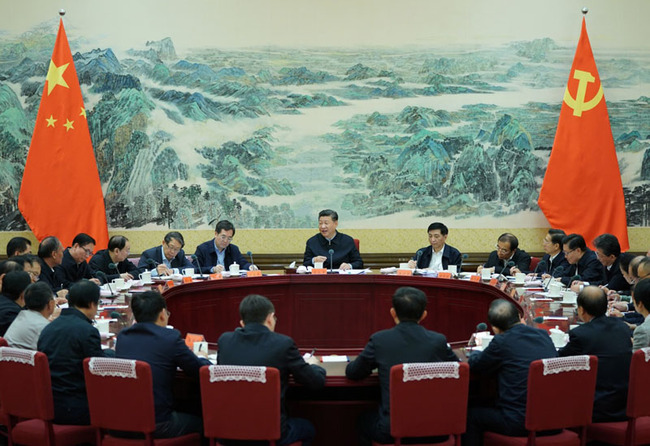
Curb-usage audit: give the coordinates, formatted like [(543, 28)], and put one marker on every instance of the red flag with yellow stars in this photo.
[(582, 191), (61, 194)]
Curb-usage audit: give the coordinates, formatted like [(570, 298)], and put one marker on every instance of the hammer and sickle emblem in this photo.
[(578, 103)]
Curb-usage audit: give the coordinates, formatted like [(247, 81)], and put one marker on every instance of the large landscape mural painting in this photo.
[(390, 136)]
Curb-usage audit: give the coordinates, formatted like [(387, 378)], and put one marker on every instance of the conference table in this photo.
[(335, 314)]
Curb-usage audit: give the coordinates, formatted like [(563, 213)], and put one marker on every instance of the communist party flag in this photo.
[(61, 193), (582, 190)]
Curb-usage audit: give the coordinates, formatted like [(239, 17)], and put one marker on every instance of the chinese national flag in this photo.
[(582, 191), (61, 193)]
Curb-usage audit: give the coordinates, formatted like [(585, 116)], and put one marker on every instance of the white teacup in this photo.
[(145, 277), (453, 269), (569, 297), (555, 288), (484, 340), (486, 273), (200, 347), (520, 278), (234, 268), (118, 284), (188, 272), (103, 325), (404, 266), (318, 265)]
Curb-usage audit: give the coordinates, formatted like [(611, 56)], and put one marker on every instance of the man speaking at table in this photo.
[(407, 342), (162, 259), (216, 255), (257, 344), (507, 258), (344, 254)]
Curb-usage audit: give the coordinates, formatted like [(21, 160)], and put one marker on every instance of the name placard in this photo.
[(256, 273), (187, 279), (215, 276), (404, 272), (444, 275), (493, 282), (319, 271), (475, 278)]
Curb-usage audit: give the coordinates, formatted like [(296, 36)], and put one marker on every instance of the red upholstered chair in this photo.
[(26, 394), (356, 243), (534, 261), (120, 397), (241, 403), (560, 395), (4, 420), (637, 429), (428, 399)]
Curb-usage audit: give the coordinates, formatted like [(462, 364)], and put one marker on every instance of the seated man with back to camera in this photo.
[(439, 255), (114, 262), (164, 350), (344, 255), (406, 342), (507, 258), (257, 344), (216, 255), (163, 259), (641, 299), (607, 338), (39, 307), (508, 356)]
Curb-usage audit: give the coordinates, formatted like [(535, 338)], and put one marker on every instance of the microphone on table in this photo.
[(114, 266), (117, 315), (540, 264), (502, 276), (480, 327), (102, 276), (152, 263), (331, 252), (418, 254), (559, 270), (196, 259), (463, 257), (250, 254)]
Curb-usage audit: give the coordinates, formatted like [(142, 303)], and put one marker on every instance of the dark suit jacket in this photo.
[(509, 356), (406, 342), (344, 248), (47, 275), (520, 257), (450, 256), (614, 277), (552, 267), (67, 341), (102, 259), (608, 338), (180, 261), (69, 272), (9, 309), (588, 267), (256, 345), (207, 257), (164, 350)]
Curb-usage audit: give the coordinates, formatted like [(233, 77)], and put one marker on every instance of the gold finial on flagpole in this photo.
[(585, 10), (61, 12)]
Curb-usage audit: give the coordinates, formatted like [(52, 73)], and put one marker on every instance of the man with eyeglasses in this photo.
[(507, 250), (216, 255), (163, 259), (73, 266), (583, 261)]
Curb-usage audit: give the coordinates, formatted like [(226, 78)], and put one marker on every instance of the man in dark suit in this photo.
[(50, 254), (164, 350), (509, 354), (507, 250), (608, 253), (406, 342), (345, 254), (257, 344), (73, 266), (162, 259), (11, 298), (216, 255), (607, 338), (551, 262), (583, 261), (67, 341), (439, 255), (114, 262)]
